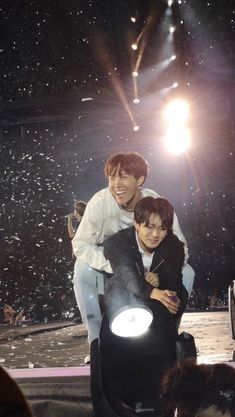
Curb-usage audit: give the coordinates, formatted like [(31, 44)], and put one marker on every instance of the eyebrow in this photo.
[(153, 224)]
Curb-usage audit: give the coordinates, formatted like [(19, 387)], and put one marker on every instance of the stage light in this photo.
[(131, 321), (134, 46), (136, 100), (177, 112), (173, 57), (135, 74), (170, 3), (136, 128), (172, 29), (133, 19), (175, 85), (177, 139)]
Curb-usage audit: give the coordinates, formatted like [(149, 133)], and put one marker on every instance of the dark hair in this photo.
[(193, 388), (148, 205), (80, 206), (131, 162)]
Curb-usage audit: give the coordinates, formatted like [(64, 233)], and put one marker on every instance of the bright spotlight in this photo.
[(133, 19), (134, 46), (178, 140), (172, 29), (131, 321), (177, 112), (170, 3), (136, 128), (175, 85), (135, 74), (136, 100), (173, 57)]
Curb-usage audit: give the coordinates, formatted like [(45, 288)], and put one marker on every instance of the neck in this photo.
[(146, 250), (130, 205)]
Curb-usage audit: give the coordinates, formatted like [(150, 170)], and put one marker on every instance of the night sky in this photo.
[(66, 100)]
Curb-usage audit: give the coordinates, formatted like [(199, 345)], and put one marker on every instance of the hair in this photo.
[(12, 400), (149, 205), (131, 162), (199, 390), (80, 206)]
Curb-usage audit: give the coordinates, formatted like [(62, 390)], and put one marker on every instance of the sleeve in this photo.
[(126, 273), (88, 236), (178, 232), (171, 272)]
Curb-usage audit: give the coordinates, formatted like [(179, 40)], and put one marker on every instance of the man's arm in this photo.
[(178, 232), (125, 265), (89, 235), (71, 230)]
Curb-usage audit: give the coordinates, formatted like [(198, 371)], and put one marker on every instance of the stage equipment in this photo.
[(231, 300), (131, 321)]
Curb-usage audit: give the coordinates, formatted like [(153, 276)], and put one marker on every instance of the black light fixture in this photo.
[(136, 343)]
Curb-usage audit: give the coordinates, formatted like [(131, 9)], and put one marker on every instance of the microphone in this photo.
[(69, 215)]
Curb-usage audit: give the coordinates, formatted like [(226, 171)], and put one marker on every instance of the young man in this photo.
[(108, 211), (147, 261), (147, 258)]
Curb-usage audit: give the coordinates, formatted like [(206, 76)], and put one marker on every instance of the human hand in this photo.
[(71, 216), (168, 298), (153, 279)]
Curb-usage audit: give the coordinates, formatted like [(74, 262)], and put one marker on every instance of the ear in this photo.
[(140, 180), (137, 226)]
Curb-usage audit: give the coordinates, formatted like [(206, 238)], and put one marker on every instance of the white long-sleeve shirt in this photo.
[(101, 220)]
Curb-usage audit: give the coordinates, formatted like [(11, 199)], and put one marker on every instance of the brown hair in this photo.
[(131, 162), (197, 390), (148, 205), (80, 206)]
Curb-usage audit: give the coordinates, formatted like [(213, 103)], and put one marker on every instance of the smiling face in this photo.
[(125, 188), (151, 234)]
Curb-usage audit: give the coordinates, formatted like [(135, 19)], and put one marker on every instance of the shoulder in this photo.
[(101, 196), (103, 199), (147, 192), (174, 241), (123, 237)]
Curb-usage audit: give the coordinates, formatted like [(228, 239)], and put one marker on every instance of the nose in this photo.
[(117, 181), (155, 232)]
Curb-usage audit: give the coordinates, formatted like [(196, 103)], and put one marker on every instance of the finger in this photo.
[(171, 307)]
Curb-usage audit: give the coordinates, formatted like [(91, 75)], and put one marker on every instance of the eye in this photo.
[(162, 228)]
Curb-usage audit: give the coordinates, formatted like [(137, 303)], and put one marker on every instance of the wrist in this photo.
[(154, 294)]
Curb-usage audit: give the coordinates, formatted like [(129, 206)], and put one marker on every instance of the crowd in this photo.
[(39, 183)]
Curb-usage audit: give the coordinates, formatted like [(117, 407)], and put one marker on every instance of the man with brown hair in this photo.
[(110, 210)]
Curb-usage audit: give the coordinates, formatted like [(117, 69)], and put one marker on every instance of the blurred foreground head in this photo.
[(12, 400), (191, 390)]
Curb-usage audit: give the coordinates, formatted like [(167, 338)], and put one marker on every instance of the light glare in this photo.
[(177, 112), (178, 140), (131, 322), (134, 46)]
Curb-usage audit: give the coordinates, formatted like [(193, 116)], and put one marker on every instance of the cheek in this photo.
[(163, 235)]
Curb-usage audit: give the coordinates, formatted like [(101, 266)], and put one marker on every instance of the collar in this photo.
[(141, 250)]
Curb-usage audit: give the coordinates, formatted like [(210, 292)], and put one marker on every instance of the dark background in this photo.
[(67, 102)]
